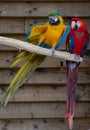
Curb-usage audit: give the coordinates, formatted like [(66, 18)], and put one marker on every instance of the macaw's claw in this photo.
[(53, 50), (73, 66), (77, 57)]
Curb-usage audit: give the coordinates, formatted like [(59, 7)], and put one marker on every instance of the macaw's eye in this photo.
[(78, 24), (55, 18), (73, 24)]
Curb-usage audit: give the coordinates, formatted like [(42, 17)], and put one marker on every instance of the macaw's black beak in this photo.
[(75, 27)]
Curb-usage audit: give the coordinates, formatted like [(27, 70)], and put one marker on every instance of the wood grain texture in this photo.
[(43, 124), (22, 37), (41, 103), (22, 25), (22, 45), (24, 9), (46, 93), (41, 110), (44, 77), (44, 0), (16, 36), (67, 21), (7, 58), (12, 26)]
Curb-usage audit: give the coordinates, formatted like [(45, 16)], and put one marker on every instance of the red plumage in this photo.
[(79, 35), (76, 43)]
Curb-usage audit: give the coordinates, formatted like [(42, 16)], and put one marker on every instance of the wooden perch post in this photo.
[(36, 49)]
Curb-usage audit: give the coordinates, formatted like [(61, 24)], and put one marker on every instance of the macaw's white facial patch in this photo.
[(78, 24), (55, 18), (73, 24)]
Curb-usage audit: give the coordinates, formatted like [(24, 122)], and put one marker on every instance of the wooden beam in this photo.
[(28, 9), (44, 77), (6, 58), (41, 110), (44, 0), (20, 26), (22, 37), (31, 20), (12, 25), (21, 45), (46, 93), (43, 124)]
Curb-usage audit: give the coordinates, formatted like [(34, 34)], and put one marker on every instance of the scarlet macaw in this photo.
[(49, 35), (76, 43)]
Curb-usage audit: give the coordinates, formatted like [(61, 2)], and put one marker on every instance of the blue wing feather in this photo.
[(85, 46), (45, 45), (63, 38), (29, 32), (71, 44)]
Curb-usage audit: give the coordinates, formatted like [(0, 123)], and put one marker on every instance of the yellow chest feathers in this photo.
[(53, 34)]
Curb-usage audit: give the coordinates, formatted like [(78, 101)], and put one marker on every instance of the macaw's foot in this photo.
[(53, 50), (70, 121), (73, 66), (77, 57)]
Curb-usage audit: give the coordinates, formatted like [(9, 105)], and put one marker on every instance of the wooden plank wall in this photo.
[(40, 103)]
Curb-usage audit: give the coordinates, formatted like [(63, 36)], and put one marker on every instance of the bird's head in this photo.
[(78, 24), (55, 18)]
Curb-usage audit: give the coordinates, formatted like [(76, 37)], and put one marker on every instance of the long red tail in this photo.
[(72, 76)]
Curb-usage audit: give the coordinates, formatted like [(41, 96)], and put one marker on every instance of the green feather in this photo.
[(22, 56), (30, 62), (24, 73), (54, 13)]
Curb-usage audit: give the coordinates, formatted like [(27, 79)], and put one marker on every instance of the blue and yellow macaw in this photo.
[(76, 43), (49, 35)]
